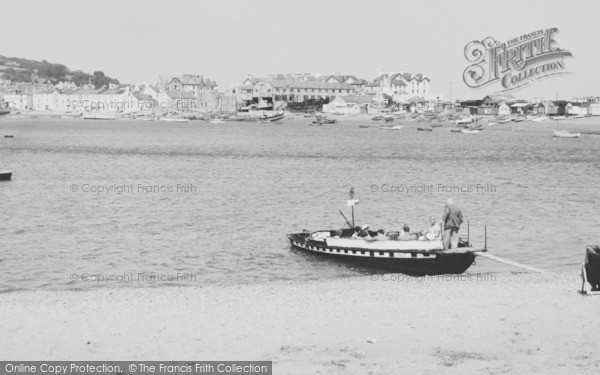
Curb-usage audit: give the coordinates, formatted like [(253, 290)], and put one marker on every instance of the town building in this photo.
[(401, 83)]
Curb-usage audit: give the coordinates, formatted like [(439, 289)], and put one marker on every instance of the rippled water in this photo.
[(254, 183)]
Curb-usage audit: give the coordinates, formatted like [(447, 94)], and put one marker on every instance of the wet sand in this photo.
[(379, 324)]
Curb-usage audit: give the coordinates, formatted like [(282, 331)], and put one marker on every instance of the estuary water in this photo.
[(126, 204)]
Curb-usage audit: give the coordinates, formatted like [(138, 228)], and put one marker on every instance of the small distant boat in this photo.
[(172, 119), (5, 175), (99, 116), (565, 134), (377, 118), (388, 118), (504, 120), (436, 125), (456, 130), (579, 116), (323, 120), (272, 117), (363, 126), (8, 136), (559, 117), (475, 127), (519, 119), (397, 127), (539, 118), (467, 131), (467, 120), (216, 121), (492, 123), (425, 129)]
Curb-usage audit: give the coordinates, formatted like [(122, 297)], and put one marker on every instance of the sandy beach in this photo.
[(377, 324)]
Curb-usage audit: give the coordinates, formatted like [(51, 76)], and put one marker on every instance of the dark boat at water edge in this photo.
[(414, 262), (387, 251)]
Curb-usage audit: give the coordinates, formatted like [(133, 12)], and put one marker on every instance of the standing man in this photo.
[(451, 220)]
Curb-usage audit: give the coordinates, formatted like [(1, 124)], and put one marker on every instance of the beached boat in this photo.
[(272, 118), (323, 120), (539, 118), (216, 121), (467, 131), (464, 121), (397, 127), (504, 120), (519, 119), (411, 257), (565, 134), (559, 117), (5, 175)]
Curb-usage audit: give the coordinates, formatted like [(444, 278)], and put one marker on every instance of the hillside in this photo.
[(17, 69)]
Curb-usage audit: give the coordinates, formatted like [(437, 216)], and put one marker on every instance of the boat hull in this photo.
[(5, 175), (409, 262)]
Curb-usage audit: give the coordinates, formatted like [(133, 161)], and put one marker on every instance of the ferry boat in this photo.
[(411, 257)]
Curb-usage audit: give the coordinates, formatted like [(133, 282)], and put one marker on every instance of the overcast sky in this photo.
[(227, 40)]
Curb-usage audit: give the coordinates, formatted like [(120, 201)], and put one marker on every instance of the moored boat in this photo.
[(539, 118), (467, 131), (99, 116), (397, 127), (425, 129), (5, 175), (504, 120), (173, 119), (565, 134), (464, 121)]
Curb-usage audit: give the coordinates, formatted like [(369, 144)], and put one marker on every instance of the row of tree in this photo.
[(52, 72)]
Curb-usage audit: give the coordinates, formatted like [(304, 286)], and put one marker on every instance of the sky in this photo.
[(136, 41)]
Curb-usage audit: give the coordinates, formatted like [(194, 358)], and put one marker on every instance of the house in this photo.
[(191, 83), (521, 108), (203, 89), (504, 109), (594, 109), (298, 91), (144, 102), (45, 99), (18, 100), (348, 104), (550, 108), (181, 101), (496, 99), (394, 82)]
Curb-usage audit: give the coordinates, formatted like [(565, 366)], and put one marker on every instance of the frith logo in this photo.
[(514, 63)]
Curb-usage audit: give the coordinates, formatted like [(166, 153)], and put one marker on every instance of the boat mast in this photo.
[(351, 202)]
